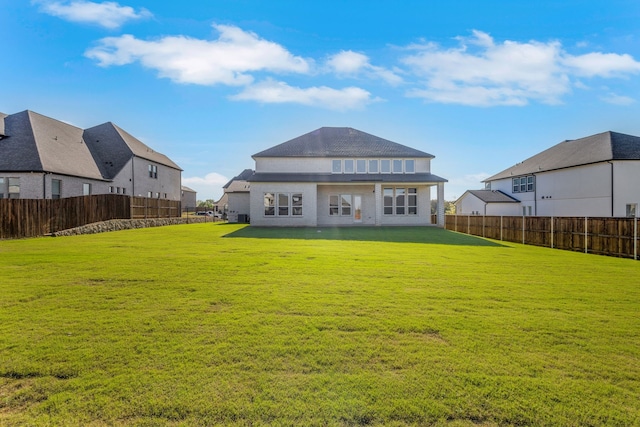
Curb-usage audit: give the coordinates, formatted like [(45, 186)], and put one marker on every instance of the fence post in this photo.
[(635, 238), (501, 227), (483, 225), (468, 224), (551, 232), (523, 229), (586, 236), (455, 223)]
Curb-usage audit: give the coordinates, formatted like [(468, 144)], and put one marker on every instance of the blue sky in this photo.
[(480, 85)]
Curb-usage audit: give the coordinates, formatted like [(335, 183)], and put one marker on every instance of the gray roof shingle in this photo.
[(340, 142), (597, 148), (243, 176), (35, 143), (493, 196)]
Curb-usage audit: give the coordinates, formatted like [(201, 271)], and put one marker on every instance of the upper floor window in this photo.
[(373, 166), (348, 166), (524, 184), (409, 166), (86, 189), (153, 171)]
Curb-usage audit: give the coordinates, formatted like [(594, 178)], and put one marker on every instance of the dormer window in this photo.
[(397, 166), (409, 166), (336, 166), (348, 166), (361, 166)]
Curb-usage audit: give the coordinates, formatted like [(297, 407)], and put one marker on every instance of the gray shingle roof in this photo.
[(493, 196), (340, 142), (346, 178), (35, 143), (597, 148), (243, 176), (113, 148)]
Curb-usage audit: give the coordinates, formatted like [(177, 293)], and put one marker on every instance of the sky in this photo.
[(481, 85)]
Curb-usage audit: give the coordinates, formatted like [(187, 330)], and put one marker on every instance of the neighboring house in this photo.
[(237, 197), (43, 158), (342, 176), (188, 199), (487, 202), (596, 176)]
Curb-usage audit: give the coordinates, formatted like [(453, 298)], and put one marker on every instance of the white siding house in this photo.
[(595, 176), (343, 177), (43, 158)]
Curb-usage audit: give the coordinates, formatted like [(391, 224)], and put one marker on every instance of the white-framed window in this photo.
[(524, 184), (400, 201), (124, 190), (56, 188), (348, 166), (632, 209), (296, 204), (153, 171), (340, 204), (149, 194), (86, 189), (336, 166), (409, 166), (385, 166), (14, 188), (373, 166), (361, 166), (269, 204), (2, 189), (283, 204), (397, 166)]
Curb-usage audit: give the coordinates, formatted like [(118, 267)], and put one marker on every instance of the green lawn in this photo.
[(216, 324)]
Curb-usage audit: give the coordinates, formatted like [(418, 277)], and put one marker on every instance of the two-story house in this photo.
[(44, 158), (339, 176), (595, 176)]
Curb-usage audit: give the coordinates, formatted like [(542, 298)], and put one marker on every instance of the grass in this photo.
[(216, 324)]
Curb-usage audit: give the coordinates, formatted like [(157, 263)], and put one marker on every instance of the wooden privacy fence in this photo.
[(604, 236), (37, 217)]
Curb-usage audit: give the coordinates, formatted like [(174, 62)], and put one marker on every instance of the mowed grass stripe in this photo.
[(209, 324)]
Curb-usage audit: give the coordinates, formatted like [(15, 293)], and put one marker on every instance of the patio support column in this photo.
[(440, 216), (378, 199)]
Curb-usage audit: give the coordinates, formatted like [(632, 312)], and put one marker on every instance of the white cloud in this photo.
[(274, 92), (481, 72), (602, 64), (350, 63), (614, 99), (207, 187), (106, 14), (229, 60)]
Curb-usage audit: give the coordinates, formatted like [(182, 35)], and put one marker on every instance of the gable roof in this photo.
[(35, 143), (243, 176), (114, 147), (597, 148), (340, 142), (492, 196), (187, 189)]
